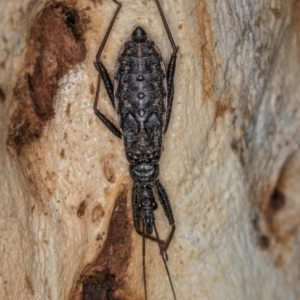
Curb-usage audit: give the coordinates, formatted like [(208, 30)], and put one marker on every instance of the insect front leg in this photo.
[(171, 67), (106, 80), (170, 85), (165, 203), (101, 116)]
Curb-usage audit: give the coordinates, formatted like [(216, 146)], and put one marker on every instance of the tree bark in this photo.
[(230, 166)]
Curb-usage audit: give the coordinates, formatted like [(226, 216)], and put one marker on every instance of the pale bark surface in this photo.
[(231, 161)]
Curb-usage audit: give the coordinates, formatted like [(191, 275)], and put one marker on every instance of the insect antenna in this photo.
[(144, 262), (163, 253)]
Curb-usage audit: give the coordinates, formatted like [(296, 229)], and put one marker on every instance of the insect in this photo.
[(142, 96)]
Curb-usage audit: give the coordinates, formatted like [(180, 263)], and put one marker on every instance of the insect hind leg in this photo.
[(154, 239), (164, 258), (144, 263), (106, 80), (108, 30), (170, 69), (175, 48)]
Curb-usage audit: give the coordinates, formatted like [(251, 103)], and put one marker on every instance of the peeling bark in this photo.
[(55, 45), (230, 163)]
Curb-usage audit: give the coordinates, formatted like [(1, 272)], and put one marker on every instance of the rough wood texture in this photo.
[(231, 161)]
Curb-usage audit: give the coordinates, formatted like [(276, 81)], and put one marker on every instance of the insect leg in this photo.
[(106, 80), (108, 30), (161, 250), (99, 65), (165, 203), (175, 48), (152, 238), (171, 67), (170, 85), (144, 262), (102, 117)]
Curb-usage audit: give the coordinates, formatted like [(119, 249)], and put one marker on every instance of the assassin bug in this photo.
[(142, 95)]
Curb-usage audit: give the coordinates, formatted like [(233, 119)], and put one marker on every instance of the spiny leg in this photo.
[(170, 85), (165, 203), (162, 252), (106, 80), (101, 116), (98, 64), (171, 67), (108, 30), (152, 238), (175, 48), (144, 262)]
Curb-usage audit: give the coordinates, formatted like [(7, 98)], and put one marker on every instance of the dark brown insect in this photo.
[(142, 95)]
